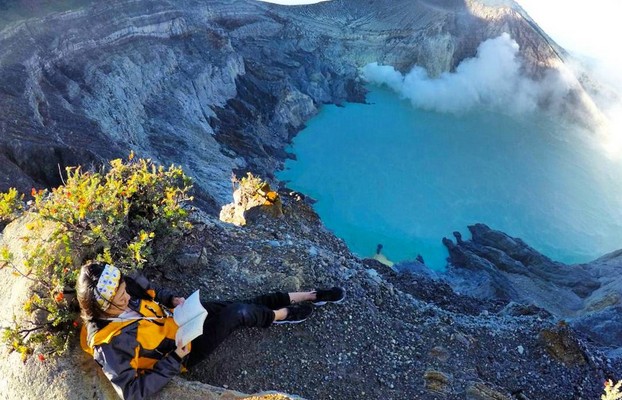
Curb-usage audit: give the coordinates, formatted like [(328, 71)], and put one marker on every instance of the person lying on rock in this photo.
[(130, 331)]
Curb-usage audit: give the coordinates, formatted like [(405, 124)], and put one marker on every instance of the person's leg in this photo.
[(222, 323), (214, 307), (273, 301), (225, 317), (318, 297), (278, 300), (297, 297)]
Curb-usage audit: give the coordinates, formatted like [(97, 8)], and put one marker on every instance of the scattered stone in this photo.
[(561, 344), (466, 341), (517, 309), (188, 259), (440, 353), (480, 391), (437, 381), (290, 284)]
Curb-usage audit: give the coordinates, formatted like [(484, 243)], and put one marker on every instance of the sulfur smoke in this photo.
[(491, 80)]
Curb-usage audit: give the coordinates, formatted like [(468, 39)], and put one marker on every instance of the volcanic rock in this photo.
[(494, 266)]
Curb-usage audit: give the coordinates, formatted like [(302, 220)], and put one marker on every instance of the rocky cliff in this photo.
[(222, 86), (214, 86)]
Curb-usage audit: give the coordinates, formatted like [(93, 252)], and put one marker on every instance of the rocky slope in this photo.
[(215, 86), (493, 265), (398, 335)]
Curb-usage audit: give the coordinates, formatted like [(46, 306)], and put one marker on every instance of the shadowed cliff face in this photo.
[(215, 86), (494, 266)]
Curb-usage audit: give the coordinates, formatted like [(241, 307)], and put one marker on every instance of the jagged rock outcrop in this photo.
[(493, 265), (215, 86), (252, 196)]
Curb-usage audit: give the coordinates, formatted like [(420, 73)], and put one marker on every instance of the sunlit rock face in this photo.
[(214, 86)]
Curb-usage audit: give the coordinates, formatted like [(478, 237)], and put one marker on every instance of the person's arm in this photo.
[(161, 295), (115, 359), (164, 296)]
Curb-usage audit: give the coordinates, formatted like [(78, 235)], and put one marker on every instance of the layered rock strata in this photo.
[(214, 86), (224, 85)]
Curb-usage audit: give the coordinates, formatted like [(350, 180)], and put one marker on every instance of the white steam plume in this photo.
[(605, 79), (490, 80)]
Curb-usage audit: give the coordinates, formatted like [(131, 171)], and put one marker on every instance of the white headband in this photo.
[(107, 286)]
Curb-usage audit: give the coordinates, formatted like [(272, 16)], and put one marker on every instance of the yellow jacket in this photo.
[(137, 355)]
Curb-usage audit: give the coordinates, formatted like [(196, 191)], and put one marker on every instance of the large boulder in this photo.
[(253, 197)]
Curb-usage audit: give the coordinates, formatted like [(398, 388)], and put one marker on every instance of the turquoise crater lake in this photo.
[(388, 173)]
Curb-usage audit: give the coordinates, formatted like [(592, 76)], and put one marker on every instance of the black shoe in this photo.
[(296, 314), (334, 295)]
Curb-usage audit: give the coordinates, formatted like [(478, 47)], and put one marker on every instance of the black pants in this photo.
[(223, 317)]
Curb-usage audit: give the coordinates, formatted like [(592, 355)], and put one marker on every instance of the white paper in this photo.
[(189, 317)]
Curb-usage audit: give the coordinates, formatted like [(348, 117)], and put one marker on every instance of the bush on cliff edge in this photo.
[(133, 213), (612, 392)]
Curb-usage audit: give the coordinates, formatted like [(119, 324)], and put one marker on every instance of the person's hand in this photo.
[(177, 301), (182, 351)]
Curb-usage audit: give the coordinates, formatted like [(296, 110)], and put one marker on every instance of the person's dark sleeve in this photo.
[(164, 296), (115, 359), (161, 295)]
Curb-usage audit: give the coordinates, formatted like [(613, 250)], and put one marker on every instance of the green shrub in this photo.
[(132, 214), (612, 392), (11, 205)]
